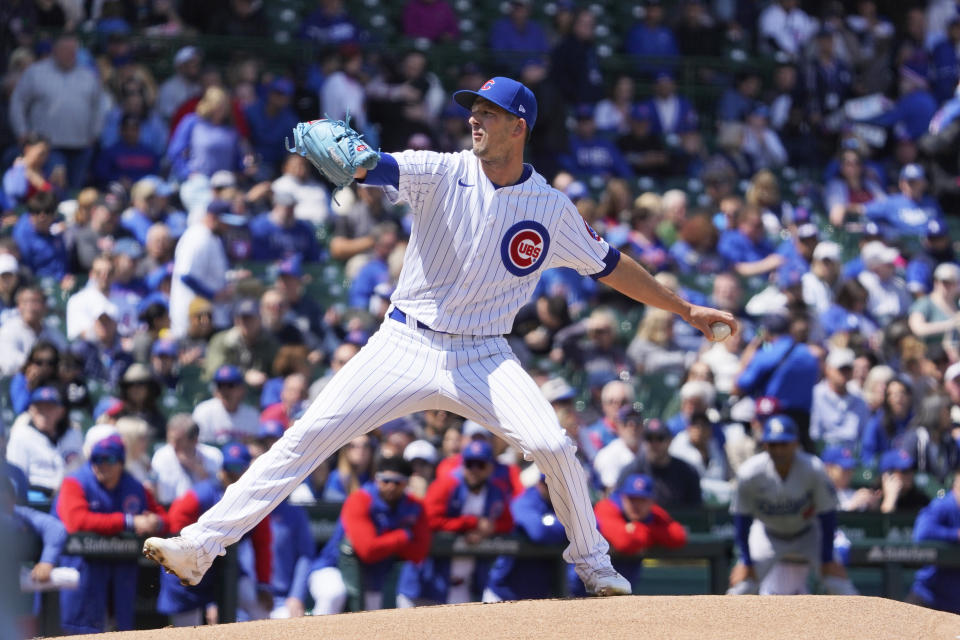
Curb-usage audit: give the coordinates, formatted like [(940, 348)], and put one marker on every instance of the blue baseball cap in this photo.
[(164, 347), (48, 395), (246, 307), (896, 460), (236, 457), (228, 374), (780, 428), (291, 267), (637, 485), (270, 429), (282, 85), (108, 449), (913, 171), (508, 94), (358, 337), (840, 456), (128, 247), (871, 229), (478, 450), (936, 228)]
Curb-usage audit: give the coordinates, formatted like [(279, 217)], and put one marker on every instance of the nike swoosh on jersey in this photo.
[(462, 183)]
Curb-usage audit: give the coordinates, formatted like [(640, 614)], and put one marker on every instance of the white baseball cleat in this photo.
[(607, 582), (178, 556)]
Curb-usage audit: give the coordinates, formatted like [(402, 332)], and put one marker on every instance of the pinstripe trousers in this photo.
[(404, 369)]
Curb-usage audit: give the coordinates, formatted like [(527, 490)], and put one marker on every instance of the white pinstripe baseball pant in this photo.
[(402, 370)]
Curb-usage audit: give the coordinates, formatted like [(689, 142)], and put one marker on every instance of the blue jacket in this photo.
[(940, 522), (687, 118), (737, 248), (518, 579), (792, 383), (45, 254), (945, 69), (912, 112), (271, 242), (898, 215), (874, 441), (597, 156), (293, 548), (84, 609), (265, 131), (122, 160)]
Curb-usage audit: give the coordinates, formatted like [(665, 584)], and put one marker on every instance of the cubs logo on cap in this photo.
[(524, 247), (637, 485)]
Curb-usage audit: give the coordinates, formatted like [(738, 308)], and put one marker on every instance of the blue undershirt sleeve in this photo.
[(828, 528), (611, 260), (197, 287), (385, 174), (741, 527)]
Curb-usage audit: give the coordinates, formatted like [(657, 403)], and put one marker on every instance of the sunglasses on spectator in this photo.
[(228, 385), (104, 459), (653, 437), (475, 464), (391, 478)]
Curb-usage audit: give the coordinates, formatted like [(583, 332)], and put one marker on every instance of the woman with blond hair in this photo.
[(354, 468), (135, 433), (653, 349), (207, 141)]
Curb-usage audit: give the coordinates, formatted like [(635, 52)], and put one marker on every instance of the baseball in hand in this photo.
[(720, 330)]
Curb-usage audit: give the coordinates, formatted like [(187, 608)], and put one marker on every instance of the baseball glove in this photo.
[(335, 149)]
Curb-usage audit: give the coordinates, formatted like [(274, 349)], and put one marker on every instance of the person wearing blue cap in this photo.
[(270, 117), (102, 498), (225, 416), (189, 606), (784, 517), (469, 503), (43, 447), (936, 249), (632, 522), (936, 586), (839, 462), (484, 225), (906, 213)]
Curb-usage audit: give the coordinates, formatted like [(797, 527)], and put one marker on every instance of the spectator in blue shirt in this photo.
[(330, 26), (746, 246), (590, 153), (34, 170), (797, 252), (128, 159), (887, 423), (946, 62), (206, 141), (651, 38), (915, 108), (937, 587), (41, 251), (672, 113), (738, 102), (781, 366), (906, 213), (278, 235), (270, 119), (376, 270), (515, 38)]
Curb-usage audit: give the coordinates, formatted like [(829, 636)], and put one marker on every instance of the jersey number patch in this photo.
[(524, 247)]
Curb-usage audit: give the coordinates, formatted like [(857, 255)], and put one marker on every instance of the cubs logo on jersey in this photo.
[(132, 505), (524, 247)]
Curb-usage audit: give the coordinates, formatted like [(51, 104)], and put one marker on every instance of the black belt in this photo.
[(401, 317)]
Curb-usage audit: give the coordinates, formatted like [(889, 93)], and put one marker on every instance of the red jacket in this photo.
[(408, 542), (75, 511), (633, 537)]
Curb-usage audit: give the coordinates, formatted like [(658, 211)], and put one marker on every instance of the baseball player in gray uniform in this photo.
[(784, 514), (485, 225)]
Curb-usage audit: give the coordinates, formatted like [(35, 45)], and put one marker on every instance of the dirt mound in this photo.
[(659, 617)]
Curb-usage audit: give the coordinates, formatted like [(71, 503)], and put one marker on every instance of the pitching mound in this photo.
[(659, 617)]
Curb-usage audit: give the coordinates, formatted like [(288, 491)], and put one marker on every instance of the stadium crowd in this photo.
[(175, 288)]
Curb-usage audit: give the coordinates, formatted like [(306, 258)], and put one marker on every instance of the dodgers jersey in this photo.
[(476, 250), (785, 506)]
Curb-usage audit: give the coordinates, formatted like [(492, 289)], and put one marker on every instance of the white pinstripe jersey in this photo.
[(476, 251)]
